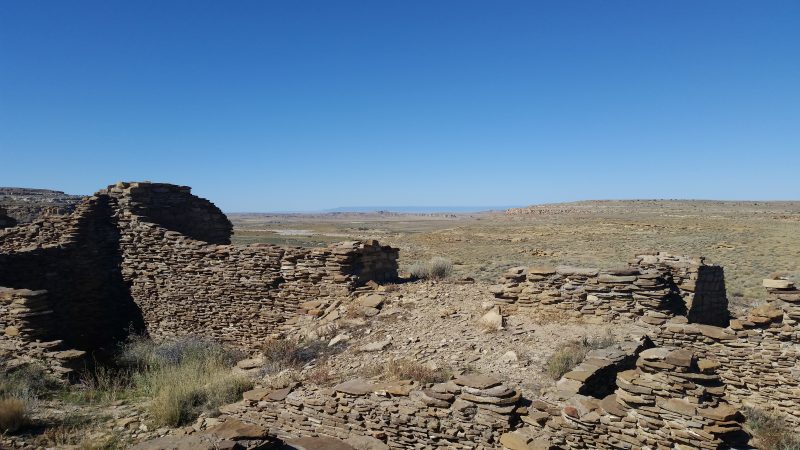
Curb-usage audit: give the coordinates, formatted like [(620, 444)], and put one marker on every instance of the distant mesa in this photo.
[(26, 205)]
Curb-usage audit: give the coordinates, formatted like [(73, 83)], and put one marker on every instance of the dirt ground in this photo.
[(752, 240)]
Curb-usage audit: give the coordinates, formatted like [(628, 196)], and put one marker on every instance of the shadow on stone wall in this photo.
[(92, 307)]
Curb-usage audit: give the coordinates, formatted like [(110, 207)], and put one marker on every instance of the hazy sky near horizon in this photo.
[(304, 105)]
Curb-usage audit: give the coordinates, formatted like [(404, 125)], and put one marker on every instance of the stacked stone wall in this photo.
[(669, 400), (25, 318), (652, 288), (759, 353), (470, 412), (128, 259), (174, 208), (77, 260)]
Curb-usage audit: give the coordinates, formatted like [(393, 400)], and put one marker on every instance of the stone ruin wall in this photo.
[(114, 267), (652, 288), (759, 353), (469, 412), (682, 302), (670, 399), (664, 397)]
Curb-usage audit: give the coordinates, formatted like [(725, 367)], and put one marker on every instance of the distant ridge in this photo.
[(418, 209)]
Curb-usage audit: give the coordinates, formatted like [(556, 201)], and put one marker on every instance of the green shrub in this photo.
[(436, 269), (770, 431)]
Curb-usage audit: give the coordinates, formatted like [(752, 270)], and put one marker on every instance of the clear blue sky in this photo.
[(302, 105)]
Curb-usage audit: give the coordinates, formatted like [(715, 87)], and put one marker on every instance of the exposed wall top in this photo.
[(174, 208)]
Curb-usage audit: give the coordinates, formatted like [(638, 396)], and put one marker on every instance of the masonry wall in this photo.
[(669, 400), (402, 414), (77, 261), (652, 288), (759, 354), (26, 318), (152, 257)]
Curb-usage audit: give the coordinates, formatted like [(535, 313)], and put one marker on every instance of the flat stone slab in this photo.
[(612, 406), (371, 301), (777, 284), (194, 442), (279, 395), (319, 443), (355, 387), (477, 381), (376, 346), (237, 430), (256, 395), (366, 443), (541, 270), (580, 271)]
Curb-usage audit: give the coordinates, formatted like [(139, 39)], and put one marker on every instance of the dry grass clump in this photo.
[(771, 431), (282, 354), (183, 391), (101, 385), (28, 383), (13, 414), (75, 430), (184, 377), (572, 353), (322, 376), (437, 268), (407, 369)]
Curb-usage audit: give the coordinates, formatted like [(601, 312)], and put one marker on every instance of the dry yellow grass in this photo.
[(750, 239), (13, 414)]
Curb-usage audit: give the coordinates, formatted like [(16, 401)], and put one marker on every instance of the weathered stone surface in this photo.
[(778, 284), (366, 443), (237, 430), (477, 381), (515, 441), (194, 442), (355, 387), (319, 443), (371, 301)]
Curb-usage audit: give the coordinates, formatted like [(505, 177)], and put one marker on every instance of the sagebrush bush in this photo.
[(771, 431), (282, 354), (184, 377), (140, 352), (13, 414), (572, 353), (102, 385), (408, 369), (28, 383), (437, 268)]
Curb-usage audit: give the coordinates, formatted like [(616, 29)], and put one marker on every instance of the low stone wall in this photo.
[(652, 288), (670, 400), (470, 412), (154, 258)]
